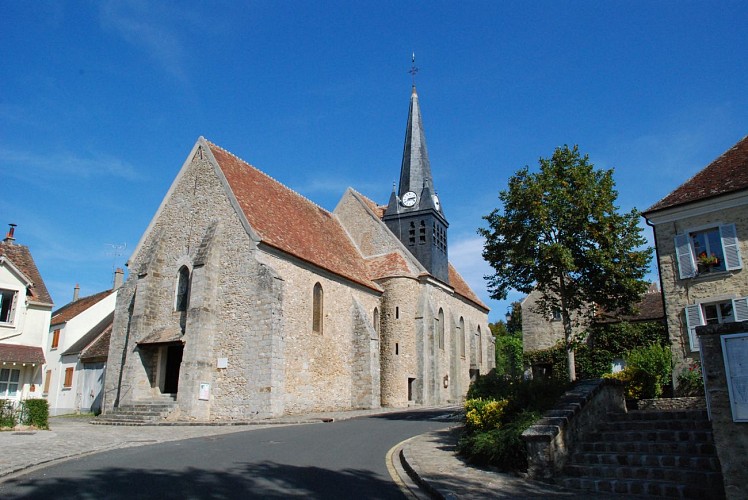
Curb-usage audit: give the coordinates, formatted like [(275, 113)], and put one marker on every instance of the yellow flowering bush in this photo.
[(484, 414)]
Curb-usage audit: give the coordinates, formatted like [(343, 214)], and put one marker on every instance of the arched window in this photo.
[(183, 289), (376, 320), (440, 329), (317, 308), (461, 337)]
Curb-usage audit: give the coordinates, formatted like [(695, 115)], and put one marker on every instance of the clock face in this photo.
[(409, 199), (436, 202)]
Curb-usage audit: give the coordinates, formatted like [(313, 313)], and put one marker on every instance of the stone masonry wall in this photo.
[(730, 438), (319, 368), (539, 331), (410, 347), (714, 286)]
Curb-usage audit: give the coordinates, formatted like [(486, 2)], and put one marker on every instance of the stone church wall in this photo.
[(321, 370), (410, 348)]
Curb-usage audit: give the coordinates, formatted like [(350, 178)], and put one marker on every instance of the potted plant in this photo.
[(707, 262)]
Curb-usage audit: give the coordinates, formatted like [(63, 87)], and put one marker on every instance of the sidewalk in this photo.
[(429, 458)]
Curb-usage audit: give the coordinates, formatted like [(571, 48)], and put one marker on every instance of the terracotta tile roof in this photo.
[(289, 222), (650, 308), (726, 174), (20, 256), (462, 288), (12, 353), (73, 309), (384, 266), (99, 348)]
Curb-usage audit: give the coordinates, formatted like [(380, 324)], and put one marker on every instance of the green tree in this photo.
[(514, 318), (561, 233)]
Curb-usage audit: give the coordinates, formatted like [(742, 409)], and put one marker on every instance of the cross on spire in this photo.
[(413, 69)]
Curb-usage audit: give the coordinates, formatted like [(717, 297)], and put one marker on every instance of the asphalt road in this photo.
[(343, 459)]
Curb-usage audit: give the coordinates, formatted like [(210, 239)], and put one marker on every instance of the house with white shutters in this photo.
[(701, 235), (25, 310), (77, 349)]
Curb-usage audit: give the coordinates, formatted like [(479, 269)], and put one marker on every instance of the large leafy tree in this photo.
[(561, 233)]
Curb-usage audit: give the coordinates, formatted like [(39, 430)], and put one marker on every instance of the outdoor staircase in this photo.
[(139, 412), (648, 453)]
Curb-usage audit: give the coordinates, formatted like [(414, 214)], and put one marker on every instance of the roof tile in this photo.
[(13, 353), (21, 257), (726, 174), (289, 222), (74, 308)]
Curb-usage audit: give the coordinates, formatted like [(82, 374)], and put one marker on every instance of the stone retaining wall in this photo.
[(550, 440)]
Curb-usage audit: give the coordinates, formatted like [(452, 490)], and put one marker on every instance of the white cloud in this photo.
[(22, 163), (136, 22)]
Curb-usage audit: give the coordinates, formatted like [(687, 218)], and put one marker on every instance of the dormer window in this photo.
[(7, 305)]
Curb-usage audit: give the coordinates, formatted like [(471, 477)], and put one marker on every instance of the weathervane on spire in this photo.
[(413, 69)]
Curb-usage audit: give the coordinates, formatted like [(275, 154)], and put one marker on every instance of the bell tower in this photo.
[(414, 213)]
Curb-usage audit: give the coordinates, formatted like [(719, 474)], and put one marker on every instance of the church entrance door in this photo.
[(173, 362)]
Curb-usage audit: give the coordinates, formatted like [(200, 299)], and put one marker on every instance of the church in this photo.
[(246, 300)]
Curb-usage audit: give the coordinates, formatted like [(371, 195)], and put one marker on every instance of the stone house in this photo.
[(77, 347), (542, 331), (25, 310), (247, 300), (701, 233)]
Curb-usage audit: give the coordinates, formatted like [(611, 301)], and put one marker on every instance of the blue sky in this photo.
[(100, 103)]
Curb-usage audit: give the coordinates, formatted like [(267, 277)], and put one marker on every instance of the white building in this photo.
[(74, 373), (25, 310)]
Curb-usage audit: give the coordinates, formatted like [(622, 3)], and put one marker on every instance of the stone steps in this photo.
[(138, 412), (648, 453)]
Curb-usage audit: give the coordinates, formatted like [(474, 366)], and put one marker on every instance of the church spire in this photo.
[(415, 170), (414, 214)]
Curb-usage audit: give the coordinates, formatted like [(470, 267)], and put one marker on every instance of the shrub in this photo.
[(690, 381), (484, 414), (647, 370), (500, 408), (652, 366), (8, 415), (36, 413), (503, 447)]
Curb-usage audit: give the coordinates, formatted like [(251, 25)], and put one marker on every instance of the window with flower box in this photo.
[(708, 250)]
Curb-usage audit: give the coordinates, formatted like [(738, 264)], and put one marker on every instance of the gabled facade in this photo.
[(73, 379), (247, 300), (25, 309), (701, 235)]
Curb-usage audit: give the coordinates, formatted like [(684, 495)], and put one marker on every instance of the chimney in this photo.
[(10, 238), (76, 292), (119, 276)]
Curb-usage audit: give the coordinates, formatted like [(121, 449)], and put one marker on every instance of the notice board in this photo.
[(735, 352)]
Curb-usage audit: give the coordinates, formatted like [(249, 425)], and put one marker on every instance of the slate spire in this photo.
[(415, 170), (414, 213)]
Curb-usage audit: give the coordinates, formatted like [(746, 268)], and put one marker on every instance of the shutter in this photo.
[(730, 247), (694, 318), (740, 309), (684, 256), (13, 303)]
